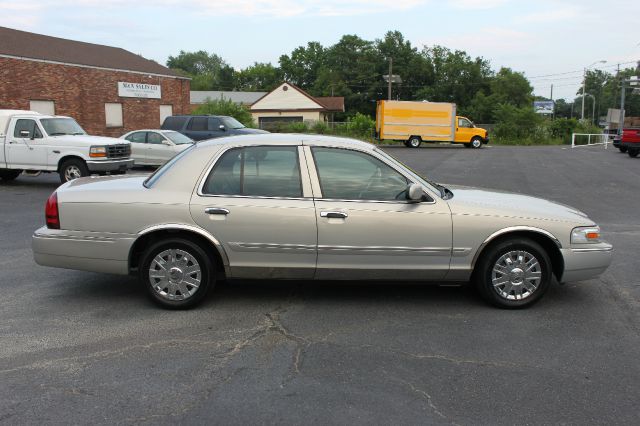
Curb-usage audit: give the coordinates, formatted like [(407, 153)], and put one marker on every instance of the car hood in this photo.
[(484, 202), (90, 140)]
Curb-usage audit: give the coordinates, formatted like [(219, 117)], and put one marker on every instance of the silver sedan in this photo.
[(151, 147), (312, 207)]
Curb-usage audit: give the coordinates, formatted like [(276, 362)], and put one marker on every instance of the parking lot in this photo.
[(79, 347)]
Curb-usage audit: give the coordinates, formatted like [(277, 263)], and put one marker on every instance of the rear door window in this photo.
[(198, 124), (260, 171), (174, 123)]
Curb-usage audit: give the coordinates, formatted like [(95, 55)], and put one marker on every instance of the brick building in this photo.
[(108, 90)]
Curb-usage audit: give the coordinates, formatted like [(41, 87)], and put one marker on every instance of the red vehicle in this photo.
[(630, 141)]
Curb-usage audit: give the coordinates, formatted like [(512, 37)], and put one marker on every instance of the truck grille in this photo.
[(119, 151)]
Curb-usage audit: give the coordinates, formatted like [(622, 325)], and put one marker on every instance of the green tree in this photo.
[(259, 77), (225, 107), (302, 67), (208, 71)]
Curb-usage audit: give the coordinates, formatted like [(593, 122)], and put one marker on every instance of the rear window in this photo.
[(151, 180), (174, 123)]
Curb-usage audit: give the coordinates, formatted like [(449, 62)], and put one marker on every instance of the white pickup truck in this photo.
[(34, 143)]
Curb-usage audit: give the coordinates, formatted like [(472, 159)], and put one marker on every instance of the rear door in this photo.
[(198, 128), (138, 147), (257, 202)]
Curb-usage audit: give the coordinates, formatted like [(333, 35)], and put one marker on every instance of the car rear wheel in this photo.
[(73, 169), (8, 175), (514, 273), (633, 152), (414, 142), (476, 143), (623, 149), (176, 273)]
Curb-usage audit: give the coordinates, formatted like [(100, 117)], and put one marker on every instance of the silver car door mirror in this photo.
[(414, 192)]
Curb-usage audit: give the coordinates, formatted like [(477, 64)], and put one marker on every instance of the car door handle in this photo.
[(334, 215), (216, 210)]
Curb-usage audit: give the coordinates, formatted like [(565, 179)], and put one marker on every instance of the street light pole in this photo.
[(584, 83)]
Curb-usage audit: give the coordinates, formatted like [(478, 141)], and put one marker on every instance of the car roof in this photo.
[(286, 139)]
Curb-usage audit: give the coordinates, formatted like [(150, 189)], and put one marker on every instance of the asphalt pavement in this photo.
[(79, 347)]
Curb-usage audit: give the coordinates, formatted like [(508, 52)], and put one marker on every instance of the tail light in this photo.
[(51, 212)]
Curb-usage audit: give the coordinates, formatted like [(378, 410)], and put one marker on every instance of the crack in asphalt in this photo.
[(427, 398)]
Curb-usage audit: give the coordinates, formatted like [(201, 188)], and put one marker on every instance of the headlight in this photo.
[(98, 151), (585, 235)]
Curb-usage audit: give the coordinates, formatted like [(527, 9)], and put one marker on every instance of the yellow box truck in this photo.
[(417, 122)]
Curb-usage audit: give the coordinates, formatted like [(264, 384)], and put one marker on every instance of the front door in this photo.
[(464, 130), (257, 202), (367, 228), (26, 148)]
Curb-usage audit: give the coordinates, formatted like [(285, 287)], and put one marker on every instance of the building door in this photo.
[(165, 111)]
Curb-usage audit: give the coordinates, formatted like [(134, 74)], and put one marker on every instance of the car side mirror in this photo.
[(414, 192), (24, 133), (222, 127), (166, 142)]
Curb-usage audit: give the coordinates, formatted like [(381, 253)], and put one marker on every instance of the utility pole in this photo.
[(553, 111), (390, 74), (621, 118)]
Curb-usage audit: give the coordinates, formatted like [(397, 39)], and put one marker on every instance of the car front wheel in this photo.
[(476, 142), (514, 273), (73, 169), (176, 273)]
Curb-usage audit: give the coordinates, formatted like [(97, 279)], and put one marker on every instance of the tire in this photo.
[(8, 175), (633, 152), (476, 143), (518, 290), (414, 142), (174, 288), (73, 169), (622, 149)]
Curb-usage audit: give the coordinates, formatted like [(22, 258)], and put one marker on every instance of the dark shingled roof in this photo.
[(331, 103), (36, 46)]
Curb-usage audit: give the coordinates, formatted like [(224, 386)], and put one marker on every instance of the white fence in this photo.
[(592, 139)]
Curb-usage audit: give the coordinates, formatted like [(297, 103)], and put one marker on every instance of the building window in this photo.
[(43, 107), (113, 115), (165, 111)]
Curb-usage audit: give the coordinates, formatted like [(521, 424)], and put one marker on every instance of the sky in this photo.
[(550, 41)]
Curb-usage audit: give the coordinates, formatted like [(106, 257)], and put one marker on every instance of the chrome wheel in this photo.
[(72, 172), (516, 275), (175, 274), (414, 142), (476, 143)]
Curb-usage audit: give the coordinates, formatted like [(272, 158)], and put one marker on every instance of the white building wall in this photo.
[(281, 99)]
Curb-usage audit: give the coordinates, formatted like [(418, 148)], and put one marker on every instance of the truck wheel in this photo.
[(73, 169), (513, 273), (8, 175), (623, 149), (414, 142), (633, 152), (176, 273), (476, 142)]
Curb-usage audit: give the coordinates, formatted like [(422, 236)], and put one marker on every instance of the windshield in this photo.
[(232, 123), (431, 185), (61, 126), (178, 138)]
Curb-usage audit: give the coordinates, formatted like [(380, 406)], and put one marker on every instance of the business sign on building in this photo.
[(543, 107), (139, 90)]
